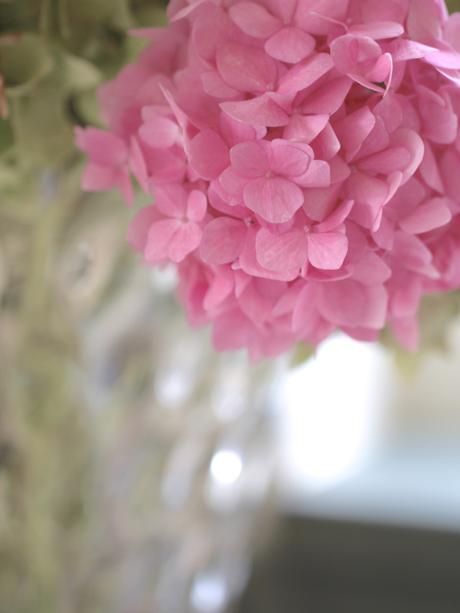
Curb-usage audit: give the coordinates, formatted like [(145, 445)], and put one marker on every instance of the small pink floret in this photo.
[(304, 162)]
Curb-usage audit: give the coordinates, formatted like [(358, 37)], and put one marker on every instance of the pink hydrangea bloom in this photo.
[(303, 157)]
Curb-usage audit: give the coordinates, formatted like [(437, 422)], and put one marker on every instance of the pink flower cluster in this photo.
[(304, 159)]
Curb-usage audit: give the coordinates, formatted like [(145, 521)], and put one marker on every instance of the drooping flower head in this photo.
[(303, 158)]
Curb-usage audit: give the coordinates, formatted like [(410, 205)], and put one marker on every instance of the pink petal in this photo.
[(424, 20), (137, 164), (326, 145), (452, 31), (245, 68), (305, 128), (196, 205), (386, 162), (232, 184), (310, 16), (104, 148), (305, 73), (159, 132), (223, 240), (305, 317), (208, 154), (215, 86), (254, 20), (439, 119), (274, 199), (370, 269), (327, 250), (406, 332), (159, 240), (250, 265), (403, 50), (290, 45), (139, 227), (405, 300), (390, 10), (250, 159), (363, 188), (337, 217), (186, 239), (287, 159), (429, 170), (171, 200), (317, 175), (350, 52), (348, 303), (283, 9), (378, 30), (261, 111), (411, 141), (231, 331), (235, 132), (377, 140), (450, 164), (220, 288), (98, 178), (329, 97), (354, 129), (164, 165), (444, 59), (280, 252), (429, 216), (412, 253)]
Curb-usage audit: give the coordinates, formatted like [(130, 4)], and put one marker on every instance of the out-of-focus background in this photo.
[(142, 473)]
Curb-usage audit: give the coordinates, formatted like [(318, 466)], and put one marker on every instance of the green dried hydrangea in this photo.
[(53, 55)]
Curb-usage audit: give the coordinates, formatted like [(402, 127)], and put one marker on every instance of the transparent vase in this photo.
[(136, 461)]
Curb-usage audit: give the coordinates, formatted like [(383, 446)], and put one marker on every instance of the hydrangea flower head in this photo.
[(303, 159)]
